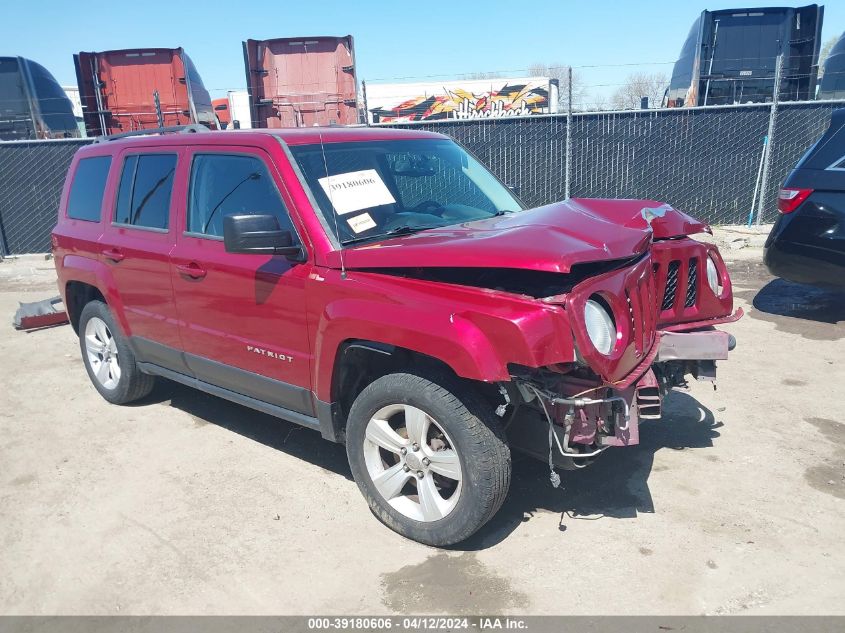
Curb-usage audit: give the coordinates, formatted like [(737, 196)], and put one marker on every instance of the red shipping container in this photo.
[(301, 82)]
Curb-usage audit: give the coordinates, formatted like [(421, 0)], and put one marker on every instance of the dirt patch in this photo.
[(829, 476), (447, 583), (24, 480), (832, 430), (793, 382)]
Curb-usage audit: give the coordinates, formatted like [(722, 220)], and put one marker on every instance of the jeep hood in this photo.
[(552, 238)]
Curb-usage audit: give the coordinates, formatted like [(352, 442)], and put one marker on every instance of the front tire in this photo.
[(108, 358), (429, 457)]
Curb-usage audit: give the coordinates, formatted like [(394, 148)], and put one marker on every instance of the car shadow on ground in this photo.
[(277, 434), (784, 298), (615, 486)]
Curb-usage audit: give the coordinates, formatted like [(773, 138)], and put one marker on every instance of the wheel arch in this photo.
[(444, 337), (83, 280), (359, 362), (77, 295)]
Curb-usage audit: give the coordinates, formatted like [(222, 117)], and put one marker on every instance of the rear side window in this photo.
[(224, 185), (143, 198), (87, 189)]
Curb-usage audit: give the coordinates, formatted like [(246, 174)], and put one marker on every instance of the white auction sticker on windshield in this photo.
[(356, 190), (361, 223)]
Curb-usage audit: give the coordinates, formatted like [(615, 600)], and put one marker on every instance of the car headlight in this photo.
[(600, 326), (713, 279)]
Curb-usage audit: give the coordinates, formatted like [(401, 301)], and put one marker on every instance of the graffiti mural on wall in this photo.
[(397, 103)]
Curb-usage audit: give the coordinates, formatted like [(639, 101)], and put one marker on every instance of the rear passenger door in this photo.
[(136, 245), (242, 316)]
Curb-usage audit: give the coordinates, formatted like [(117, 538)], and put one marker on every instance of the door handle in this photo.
[(192, 270), (113, 254)]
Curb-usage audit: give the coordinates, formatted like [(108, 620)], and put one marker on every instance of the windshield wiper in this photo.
[(403, 229)]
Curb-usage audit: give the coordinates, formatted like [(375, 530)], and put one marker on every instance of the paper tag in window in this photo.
[(356, 190), (361, 222)]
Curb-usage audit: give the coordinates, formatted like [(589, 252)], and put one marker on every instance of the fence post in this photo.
[(568, 158), (157, 102), (773, 115), (364, 99), (4, 247)]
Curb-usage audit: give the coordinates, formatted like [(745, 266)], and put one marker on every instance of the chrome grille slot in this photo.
[(642, 310), (671, 285), (692, 284), (636, 319)]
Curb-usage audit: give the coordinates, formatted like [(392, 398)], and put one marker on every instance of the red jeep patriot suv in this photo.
[(384, 288)]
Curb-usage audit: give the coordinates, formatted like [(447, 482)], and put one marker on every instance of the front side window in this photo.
[(368, 190), (143, 198), (225, 184), (86, 191)]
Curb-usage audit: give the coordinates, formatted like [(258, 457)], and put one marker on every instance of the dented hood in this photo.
[(551, 238), (665, 221)]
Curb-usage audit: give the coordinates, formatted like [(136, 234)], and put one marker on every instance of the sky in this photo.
[(394, 41)]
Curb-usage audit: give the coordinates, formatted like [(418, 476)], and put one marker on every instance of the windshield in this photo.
[(374, 189)]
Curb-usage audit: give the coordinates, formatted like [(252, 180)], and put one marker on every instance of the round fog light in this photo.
[(600, 326)]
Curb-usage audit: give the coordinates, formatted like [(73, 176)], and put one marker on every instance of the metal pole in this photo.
[(364, 97), (4, 245), (568, 159), (157, 102), (710, 68), (770, 137), (95, 70)]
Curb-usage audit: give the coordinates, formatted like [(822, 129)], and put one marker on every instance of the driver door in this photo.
[(242, 316)]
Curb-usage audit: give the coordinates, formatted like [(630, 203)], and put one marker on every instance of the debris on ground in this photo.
[(40, 314)]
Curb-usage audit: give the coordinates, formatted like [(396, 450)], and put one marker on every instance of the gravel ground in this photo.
[(187, 504)]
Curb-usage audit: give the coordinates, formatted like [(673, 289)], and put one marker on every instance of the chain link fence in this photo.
[(32, 174), (706, 161)]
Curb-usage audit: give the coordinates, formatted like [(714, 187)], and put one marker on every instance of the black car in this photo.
[(807, 243)]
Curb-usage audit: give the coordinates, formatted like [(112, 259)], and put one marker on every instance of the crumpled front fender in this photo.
[(476, 332)]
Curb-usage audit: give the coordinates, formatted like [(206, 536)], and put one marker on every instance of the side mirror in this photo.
[(259, 234)]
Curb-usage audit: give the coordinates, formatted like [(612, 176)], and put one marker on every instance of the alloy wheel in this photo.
[(101, 350), (412, 462)]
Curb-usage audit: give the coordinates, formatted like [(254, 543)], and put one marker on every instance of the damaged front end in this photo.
[(584, 314), (568, 415), (663, 310)]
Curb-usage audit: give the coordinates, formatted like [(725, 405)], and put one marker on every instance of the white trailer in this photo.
[(239, 108)]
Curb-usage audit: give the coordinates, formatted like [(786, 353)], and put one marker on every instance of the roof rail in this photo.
[(194, 128)]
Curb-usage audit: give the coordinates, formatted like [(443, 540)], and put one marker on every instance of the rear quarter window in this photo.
[(85, 199), (143, 198)]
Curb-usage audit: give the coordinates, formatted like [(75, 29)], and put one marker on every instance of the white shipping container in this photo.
[(72, 93), (239, 108)]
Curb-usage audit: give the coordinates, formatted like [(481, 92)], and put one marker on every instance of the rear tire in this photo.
[(108, 359), (429, 457)]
